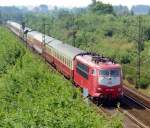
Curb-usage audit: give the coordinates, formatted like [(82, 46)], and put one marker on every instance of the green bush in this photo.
[(125, 59), (10, 52), (144, 83)]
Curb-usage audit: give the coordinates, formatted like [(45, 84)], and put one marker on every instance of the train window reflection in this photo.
[(115, 72), (112, 72), (104, 72)]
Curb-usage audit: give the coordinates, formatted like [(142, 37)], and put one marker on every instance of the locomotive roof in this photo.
[(103, 62), (63, 48)]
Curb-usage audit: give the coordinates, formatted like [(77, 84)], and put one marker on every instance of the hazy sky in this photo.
[(71, 3)]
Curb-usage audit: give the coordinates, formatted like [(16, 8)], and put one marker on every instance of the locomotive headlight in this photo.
[(99, 89)]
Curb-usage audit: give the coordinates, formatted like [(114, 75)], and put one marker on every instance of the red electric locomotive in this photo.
[(98, 76)]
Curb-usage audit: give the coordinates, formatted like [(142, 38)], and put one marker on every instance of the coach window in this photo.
[(50, 50), (58, 55), (68, 62), (54, 53), (61, 58), (65, 60), (82, 69)]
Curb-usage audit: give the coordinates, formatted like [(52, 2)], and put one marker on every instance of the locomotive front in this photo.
[(110, 81)]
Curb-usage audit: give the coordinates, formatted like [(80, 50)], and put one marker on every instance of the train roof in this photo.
[(66, 49), (18, 26), (14, 24), (59, 46)]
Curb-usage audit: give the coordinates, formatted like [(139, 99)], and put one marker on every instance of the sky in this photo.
[(70, 3)]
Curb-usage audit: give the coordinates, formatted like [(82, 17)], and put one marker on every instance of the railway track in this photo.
[(134, 106), (111, 110), (137, 96), (135, 114), (136, 111)]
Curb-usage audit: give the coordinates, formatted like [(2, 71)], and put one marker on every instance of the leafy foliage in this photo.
[(13, 50), (101, 8)]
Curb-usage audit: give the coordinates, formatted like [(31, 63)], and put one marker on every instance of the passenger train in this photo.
[(98, 76)]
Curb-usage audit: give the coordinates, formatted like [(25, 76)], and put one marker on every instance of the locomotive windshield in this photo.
[(112, 72), (110, 77)]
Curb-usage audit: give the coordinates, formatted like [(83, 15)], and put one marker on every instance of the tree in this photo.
[(93, 2), (101, 8)]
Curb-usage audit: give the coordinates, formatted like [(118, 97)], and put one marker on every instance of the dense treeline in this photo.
[(31, 95), (94, 30)]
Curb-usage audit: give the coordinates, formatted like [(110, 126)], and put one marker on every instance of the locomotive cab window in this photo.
[(112, 72), (104, 72), (115, 72), (82, 69)]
